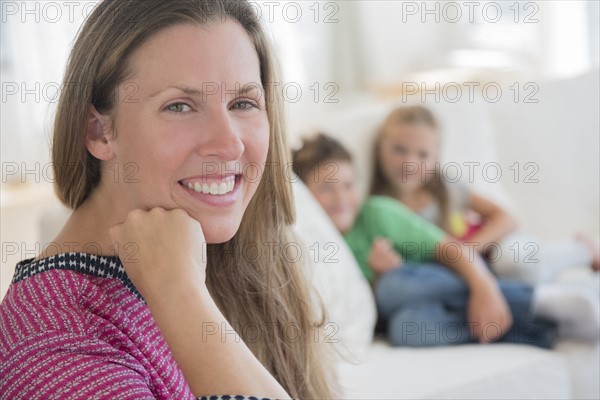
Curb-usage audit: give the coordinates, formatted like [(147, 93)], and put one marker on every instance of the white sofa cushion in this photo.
[(350, 306), (493, 371)]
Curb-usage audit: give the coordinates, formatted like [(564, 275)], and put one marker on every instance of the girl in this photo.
[(425, 303), (128, 302), (407, 147)]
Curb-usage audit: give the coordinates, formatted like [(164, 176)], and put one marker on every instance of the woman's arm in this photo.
[(212, 356), (497, 222), (487, 304), (169, 272)]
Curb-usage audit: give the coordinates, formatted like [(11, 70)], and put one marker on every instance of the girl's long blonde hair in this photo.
[(380, 184), (261, 296)]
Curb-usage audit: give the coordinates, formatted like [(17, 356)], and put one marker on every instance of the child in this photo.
[(425, 303), (407, 149)]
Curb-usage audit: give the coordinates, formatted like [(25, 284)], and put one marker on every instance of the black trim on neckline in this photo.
[(89, 264)]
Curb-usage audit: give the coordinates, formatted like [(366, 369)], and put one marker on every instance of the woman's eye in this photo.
[(243, 105), (399, 150), (179, 108)]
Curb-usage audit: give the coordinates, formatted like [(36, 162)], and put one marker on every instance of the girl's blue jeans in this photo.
[(425, 305)]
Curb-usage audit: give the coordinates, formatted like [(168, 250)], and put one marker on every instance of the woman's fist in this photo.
[(170, 250)]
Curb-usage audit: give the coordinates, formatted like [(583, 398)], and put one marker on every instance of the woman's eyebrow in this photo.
[(184, 89), (240, 90)]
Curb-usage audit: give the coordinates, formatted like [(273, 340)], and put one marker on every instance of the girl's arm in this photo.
[(169, 272), (422, 240), (497, 222), (487, 305)]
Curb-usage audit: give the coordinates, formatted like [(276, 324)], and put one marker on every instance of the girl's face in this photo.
[(334, 187), (185, 129), (408, 154)]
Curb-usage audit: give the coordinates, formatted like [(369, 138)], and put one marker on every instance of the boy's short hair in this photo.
[(314, 152)]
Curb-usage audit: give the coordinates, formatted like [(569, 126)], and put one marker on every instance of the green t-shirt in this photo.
[(413, 237)]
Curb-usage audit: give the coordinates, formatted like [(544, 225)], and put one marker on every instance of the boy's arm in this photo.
[(383, 257), (413, 237)]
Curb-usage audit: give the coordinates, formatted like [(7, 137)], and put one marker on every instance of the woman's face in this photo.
[(185, 128), (408, 155)]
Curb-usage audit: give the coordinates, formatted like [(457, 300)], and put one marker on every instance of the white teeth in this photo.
[(214, 188)]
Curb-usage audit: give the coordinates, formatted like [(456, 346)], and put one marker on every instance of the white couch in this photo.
[(473, 131), (373, 369)]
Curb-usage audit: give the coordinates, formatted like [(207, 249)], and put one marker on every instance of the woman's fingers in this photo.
[(160, 249)]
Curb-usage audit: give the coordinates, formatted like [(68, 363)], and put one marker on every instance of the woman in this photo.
[(164, 105)]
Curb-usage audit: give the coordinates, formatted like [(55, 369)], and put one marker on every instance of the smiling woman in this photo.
[(172, 129), (170, 108)]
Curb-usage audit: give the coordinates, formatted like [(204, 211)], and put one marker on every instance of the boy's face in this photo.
[(334, 186)]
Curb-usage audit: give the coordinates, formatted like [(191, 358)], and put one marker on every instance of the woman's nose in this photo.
[(221, 138)]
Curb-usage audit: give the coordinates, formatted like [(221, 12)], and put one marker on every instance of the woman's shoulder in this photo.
[(68, 273), (76, 309), (64, 293)]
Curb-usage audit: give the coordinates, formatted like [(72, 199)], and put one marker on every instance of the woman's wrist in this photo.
[(179, 297)]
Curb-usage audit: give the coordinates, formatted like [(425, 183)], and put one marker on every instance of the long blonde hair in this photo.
[(380, 184), (269, 291)]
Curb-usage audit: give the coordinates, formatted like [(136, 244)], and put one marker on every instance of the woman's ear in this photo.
[(98, 135)]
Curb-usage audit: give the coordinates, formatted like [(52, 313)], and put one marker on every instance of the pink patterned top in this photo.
[(73, 326)]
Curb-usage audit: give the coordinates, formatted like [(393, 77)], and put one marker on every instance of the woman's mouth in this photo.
[(214, 191), (214, 187)]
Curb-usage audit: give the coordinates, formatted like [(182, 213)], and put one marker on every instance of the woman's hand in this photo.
[(488, 312), (170, 250), (383, 257)]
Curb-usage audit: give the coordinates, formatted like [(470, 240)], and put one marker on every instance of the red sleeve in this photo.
[(61, 365)]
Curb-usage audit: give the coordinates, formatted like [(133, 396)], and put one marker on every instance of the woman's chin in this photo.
[(218, 233)]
